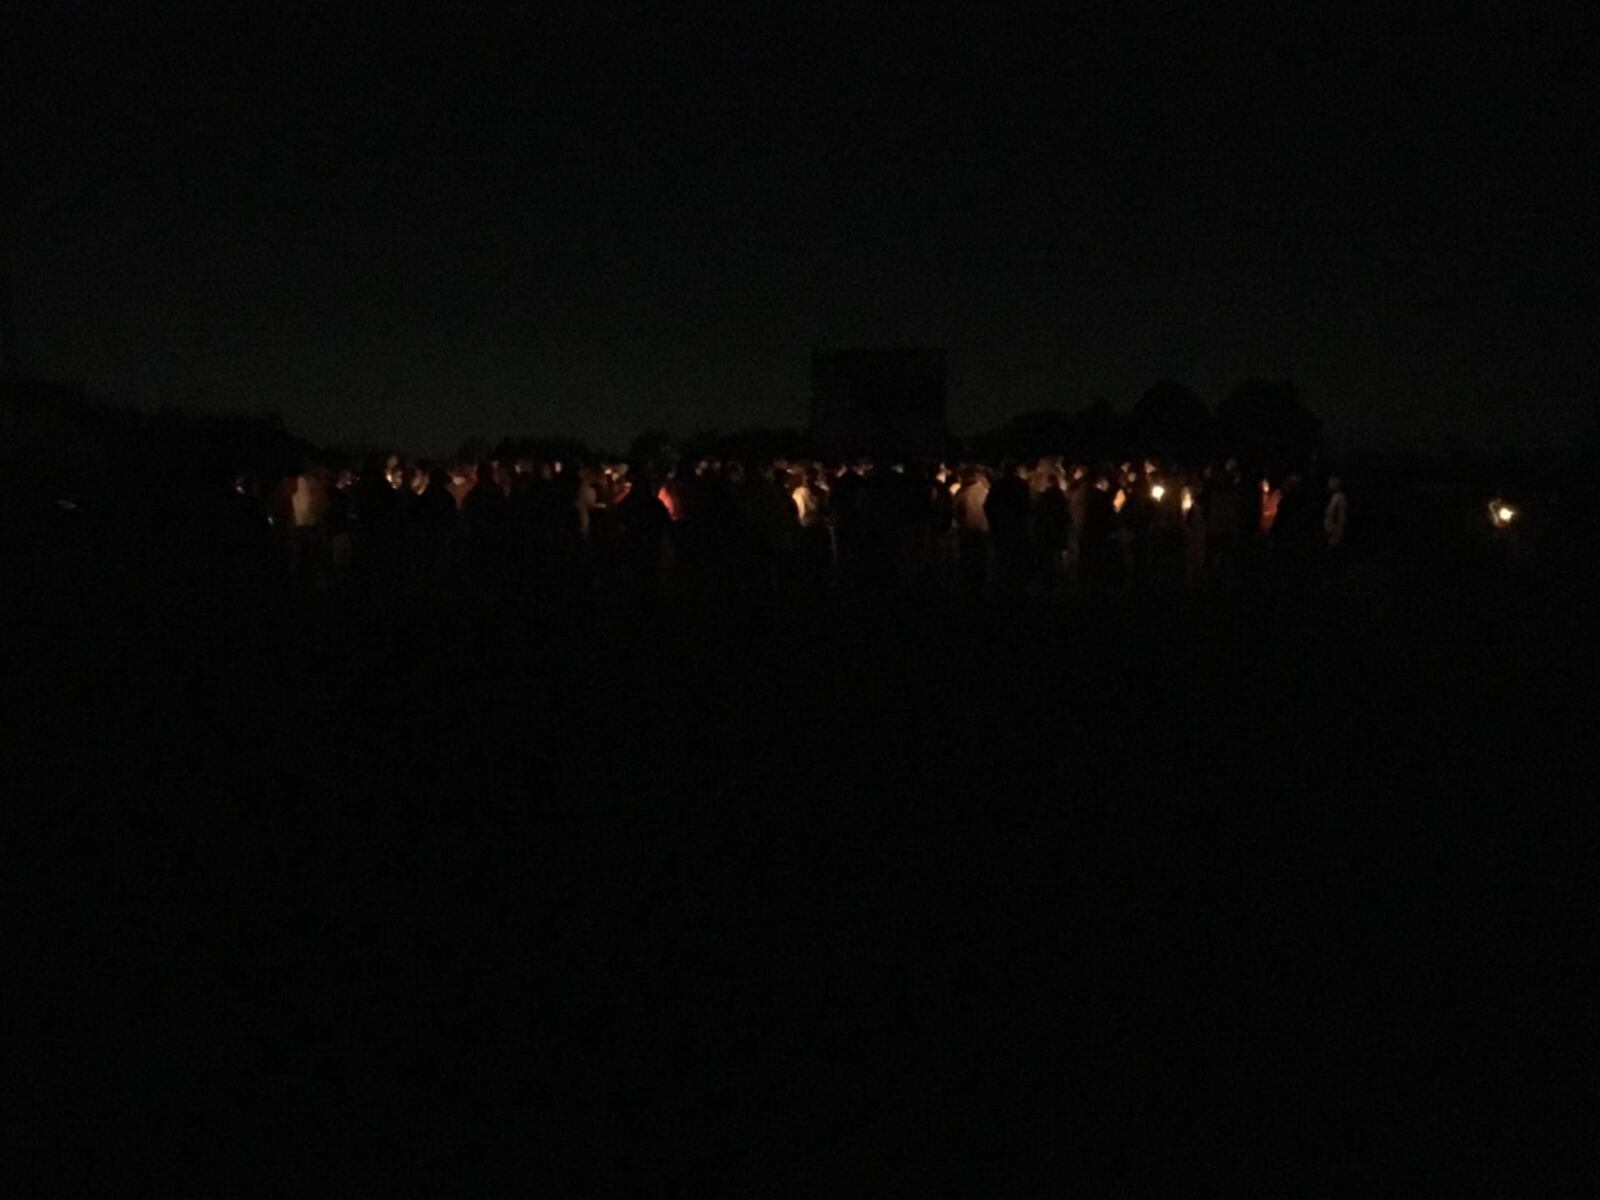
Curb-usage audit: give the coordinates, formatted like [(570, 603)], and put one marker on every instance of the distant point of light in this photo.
[(1501, 514)]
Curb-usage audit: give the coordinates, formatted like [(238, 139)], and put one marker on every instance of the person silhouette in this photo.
[(484, 511), (1336, 513), (1052, 521), (1008, 507), (972, 530), (436, 518), (643, 522)]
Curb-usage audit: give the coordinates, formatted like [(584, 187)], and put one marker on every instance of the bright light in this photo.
[(1505, 512), (1156, 492), (1501, 514), (1188, 499)]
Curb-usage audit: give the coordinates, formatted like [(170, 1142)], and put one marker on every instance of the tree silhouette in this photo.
[(1171, 422), (555, 449), (1266, 423), (761, 442), (703, 443), (1043, 431), (1099, 431), (650, 446)]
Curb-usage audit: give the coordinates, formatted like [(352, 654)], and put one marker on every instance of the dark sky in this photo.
[(502, 217)]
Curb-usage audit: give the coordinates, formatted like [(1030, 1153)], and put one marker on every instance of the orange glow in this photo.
[(1188, 500), (669, 501), (1269, 509), (806, 506), (1119, 500)]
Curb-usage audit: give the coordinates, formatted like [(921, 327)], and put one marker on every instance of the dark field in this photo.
[(1290, 889)]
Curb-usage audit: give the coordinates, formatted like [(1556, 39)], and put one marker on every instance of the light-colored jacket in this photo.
[(1333, 518), (970, 517)]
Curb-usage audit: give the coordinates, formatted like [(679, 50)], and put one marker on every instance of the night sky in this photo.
[(402, 228)]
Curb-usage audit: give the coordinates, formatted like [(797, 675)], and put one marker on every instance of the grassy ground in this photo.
[(1282, 885)]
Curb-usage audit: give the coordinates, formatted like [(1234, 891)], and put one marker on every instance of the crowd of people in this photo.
[(735, 528)]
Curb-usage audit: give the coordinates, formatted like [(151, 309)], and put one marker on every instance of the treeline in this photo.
[(54, 436), (1265, 422), (59, 441)]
